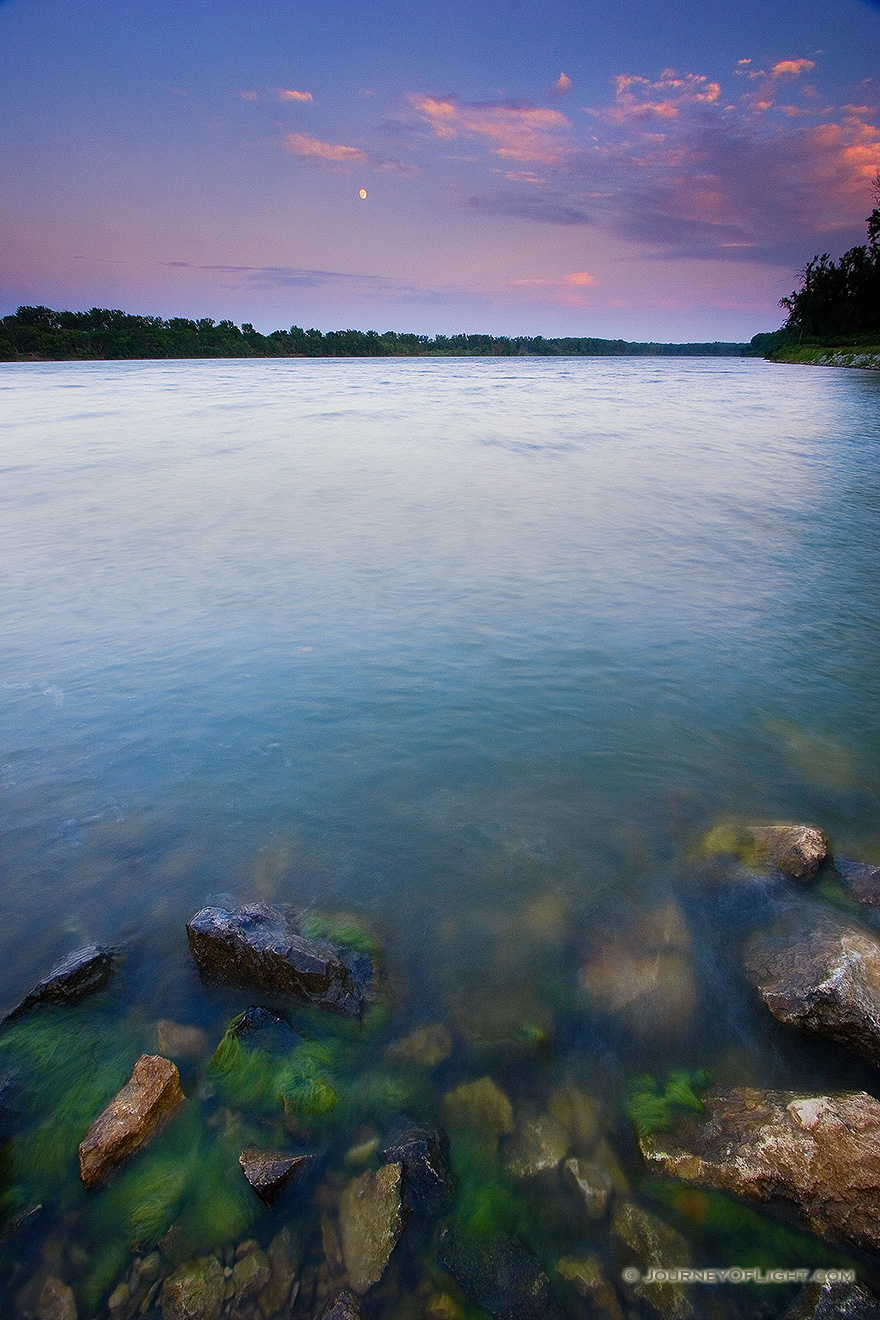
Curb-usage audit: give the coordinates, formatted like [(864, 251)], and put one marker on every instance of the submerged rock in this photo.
[(481, 1106), (499, 1275), (796, 850), (195, 1291), (820, 1153), (54, 1300), (79, 974), (285, 1256), (590, 1281), (860, 880), (256, 946), (423, 1154), (539, 1144), (146, 1102), (343, 1306), (270, 1171), (644, 976), (181, 1041), (834, 1301), (821, 972), (650, 1244), (594, 1184), (427, 1046), (259, 1026), (250, 1273), (371, 1220)]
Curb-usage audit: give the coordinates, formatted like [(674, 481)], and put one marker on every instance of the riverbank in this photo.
[(818, 355)]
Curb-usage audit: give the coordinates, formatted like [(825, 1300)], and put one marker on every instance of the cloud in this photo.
[(666, 98), (249, 96), (515, 130), (561, 86), (336, 153), (290, 94), (791, 67)]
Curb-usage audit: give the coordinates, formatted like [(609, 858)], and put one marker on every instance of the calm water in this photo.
[(475, 649)]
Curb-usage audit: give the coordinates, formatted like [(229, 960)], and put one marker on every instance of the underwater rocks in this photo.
[(644, 975), (821, 972), (820, 1153), (423, 1154), (371, 1220), (653, 1245), (195, 1291), (343, 1306), (269, 1171), (499, 1275), (148, 1099), (834, 1301), (860, 880), (480, 1106), (79, 974), (256, 946), (796, 850)]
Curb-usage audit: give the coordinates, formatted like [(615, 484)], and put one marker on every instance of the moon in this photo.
[(363, 194)]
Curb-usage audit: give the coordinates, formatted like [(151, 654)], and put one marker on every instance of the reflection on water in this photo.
[(474, 650)]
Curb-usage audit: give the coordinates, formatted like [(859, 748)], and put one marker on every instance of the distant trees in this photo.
[(840, 298), (40, 334)]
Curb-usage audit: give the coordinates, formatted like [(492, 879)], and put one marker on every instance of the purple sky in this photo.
[(643, 169)]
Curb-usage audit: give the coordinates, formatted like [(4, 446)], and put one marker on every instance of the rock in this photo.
[(594, 1185), (834, 1301), (343, 1306), (371, 1221), (796, 850), (651, 1244), (538, 1145), (285, 1256), (181, 1042), (589, 1280), (499, 1275), (819, 971), (645, 976), (258, 1026), (820, 1153), (423, 1154), (55, 1300), (427, 1047), (579, 1114), (860, 880), (481, 1106), (146, 1102), (363, 1151), (79, 974), (256, 946), (270, 1171), (194, 1291), (250, 1274)]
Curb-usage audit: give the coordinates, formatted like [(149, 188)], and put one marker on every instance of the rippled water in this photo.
[(475, 649)]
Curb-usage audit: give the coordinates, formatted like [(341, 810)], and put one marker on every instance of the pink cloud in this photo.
[(561, 86), (667, 97), (792, 67), (301, 145), (516, 130), (291, 94)]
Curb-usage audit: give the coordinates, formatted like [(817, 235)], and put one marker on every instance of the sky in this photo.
[(643, 169)]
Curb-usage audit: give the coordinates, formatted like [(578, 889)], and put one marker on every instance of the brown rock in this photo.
[(653, 1245), (588, 1278), (861, 880), (427, 1046), (146, 1102), (645, 975), (269, 1171), (370, 1222), (250, 1274), (181, 1041), (195, 1291), (285, 1256), (819, 1152), (55, 1300), (796, 850), (821, 972)]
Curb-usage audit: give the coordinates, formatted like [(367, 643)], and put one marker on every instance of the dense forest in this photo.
[(839, 301), (39, 334)]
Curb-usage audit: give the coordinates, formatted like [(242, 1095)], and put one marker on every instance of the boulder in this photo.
[(644, 975), (480, 1106), (820, 1153), (285, 1256), (250, 1273), (590, 1281), (259, 1026), (539, 1145), (79, 974), (426, 1046), (593, 1183), (834, 1301), (819, 971), (146, 1102), (649, 1244), (270, 1171), (423, 1153), (860, 880), (343, 1306), (796, 850), (55, 1300), (499, 1275), (195, 1291), (371, 1220), (257, 947)]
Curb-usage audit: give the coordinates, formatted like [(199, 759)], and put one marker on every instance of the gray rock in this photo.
[(343, 1306), (195, 1291), (834, 1301), (820, 1153), (257, 946), (285, 1256), (427, 1177), (860, 880), (651, 1244), (499, 1275), (270, 1171), (594, 1185), (821, 972), (371, 1220), (79, 974)]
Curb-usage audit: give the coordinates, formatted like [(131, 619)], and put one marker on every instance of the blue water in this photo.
[(431, 640)]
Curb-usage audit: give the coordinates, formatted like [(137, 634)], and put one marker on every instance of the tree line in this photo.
[(40, 334)]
